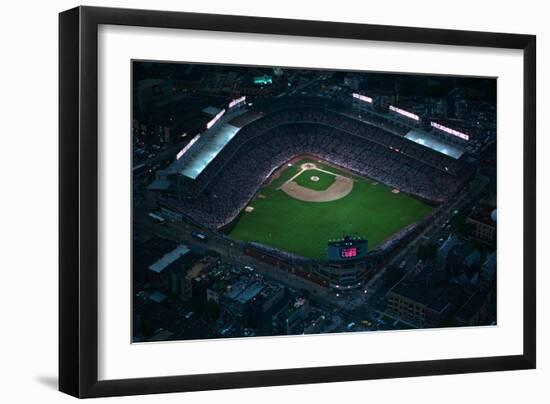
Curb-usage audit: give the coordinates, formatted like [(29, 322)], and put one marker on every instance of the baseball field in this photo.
[(309, 202)]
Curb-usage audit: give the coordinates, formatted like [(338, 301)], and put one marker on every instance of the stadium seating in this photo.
[(228, 183)]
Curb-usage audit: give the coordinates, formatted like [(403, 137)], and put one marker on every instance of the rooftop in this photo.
[(472, 306), (206, 147), (490, 260), (427, 288), (448, 245), (161, 184), (250, 292), (243, 292), (483, 213), (157, 297), (169, 258), (149, 251), (290, 308), (198, 266), (472, 258)]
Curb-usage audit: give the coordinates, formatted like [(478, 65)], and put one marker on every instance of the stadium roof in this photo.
[(435, 143), (206, 146), (205, 150), (169, 258)]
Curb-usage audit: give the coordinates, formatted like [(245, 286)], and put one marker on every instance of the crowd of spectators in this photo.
[(232, 179), (340, 123)]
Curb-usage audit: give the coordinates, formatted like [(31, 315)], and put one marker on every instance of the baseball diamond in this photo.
[(297, 217)]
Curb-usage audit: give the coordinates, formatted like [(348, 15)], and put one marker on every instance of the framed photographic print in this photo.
[(251, 201)]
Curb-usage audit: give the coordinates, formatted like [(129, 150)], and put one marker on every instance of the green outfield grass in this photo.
[(370, 210), (325, 180)]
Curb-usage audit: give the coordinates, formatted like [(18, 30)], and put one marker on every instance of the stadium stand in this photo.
[(222, 190)]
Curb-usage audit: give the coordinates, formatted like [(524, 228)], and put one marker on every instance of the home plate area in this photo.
[(338, 187)]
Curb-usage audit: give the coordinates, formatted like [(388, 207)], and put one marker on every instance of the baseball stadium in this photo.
[(295, 179)]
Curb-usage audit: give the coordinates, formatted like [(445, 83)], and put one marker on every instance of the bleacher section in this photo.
[(209, 145)]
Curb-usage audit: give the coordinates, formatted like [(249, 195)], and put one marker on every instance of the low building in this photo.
[(215, 290), (444, 251), (488, 270), (240, 297), (458, 261), (441, 308), (316, 324), (289, 319), (483, 222), (475, 310), (146, 253), (195, 270), (425, 299), (168, 273), (270, 296), (472, 259)]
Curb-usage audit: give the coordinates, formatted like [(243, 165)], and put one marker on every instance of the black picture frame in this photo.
[(78, 201)]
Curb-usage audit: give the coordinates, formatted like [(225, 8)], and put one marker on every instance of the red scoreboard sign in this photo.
[(347, 249), (348, 252)]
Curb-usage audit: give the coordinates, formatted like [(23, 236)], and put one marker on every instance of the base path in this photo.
[(341, 187)]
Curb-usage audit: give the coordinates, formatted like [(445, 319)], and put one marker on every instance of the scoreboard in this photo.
[(348, 252), (347, 249)]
